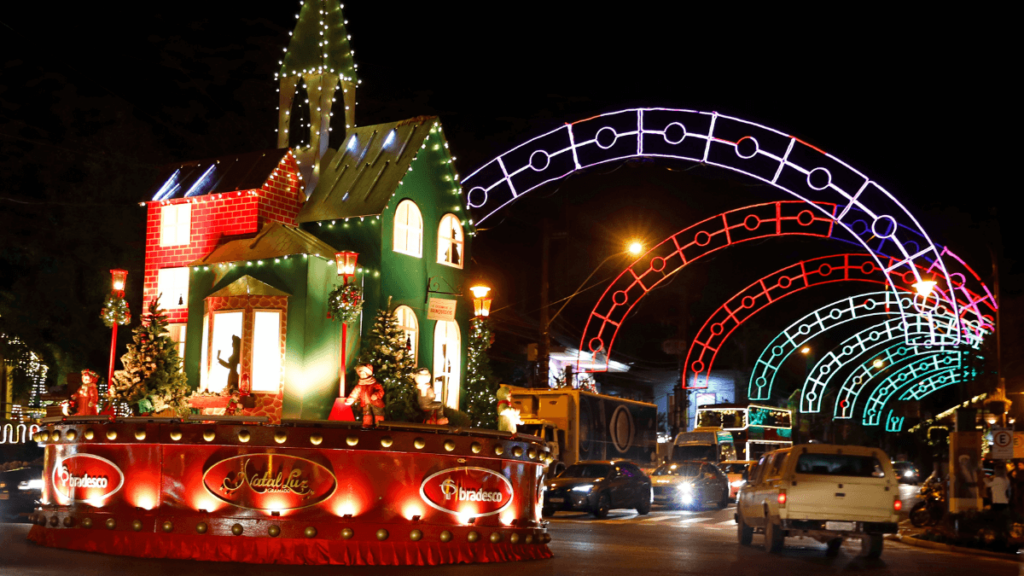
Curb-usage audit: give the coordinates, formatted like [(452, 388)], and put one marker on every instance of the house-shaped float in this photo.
[(242, 248)]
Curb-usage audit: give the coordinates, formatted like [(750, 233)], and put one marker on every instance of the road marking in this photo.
[(661, 519), (733, 522), (692, 520)]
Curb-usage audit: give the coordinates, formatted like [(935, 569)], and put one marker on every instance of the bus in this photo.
[(707, 444), (755, 429)]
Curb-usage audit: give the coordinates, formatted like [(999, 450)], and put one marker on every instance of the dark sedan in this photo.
[(20, 489), (597, 487), (690, 484)]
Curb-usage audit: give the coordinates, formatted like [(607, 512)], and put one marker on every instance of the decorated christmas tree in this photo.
[(393, 365), (481, 385), (152, 380)]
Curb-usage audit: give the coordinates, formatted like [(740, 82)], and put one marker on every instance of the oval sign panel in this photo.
[(270, 482), (469, 490), (86, 477)]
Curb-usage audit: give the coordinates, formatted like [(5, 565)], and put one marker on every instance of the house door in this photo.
[(447, 355)]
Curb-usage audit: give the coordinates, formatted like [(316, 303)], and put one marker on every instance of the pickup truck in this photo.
[(821, 491)]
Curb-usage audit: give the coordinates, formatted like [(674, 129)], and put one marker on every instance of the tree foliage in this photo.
[(384, 348), (481, 384)]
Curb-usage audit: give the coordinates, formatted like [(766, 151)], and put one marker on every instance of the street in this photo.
[(664, 542)]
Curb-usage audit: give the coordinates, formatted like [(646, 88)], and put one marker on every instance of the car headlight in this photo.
[(737, 483), (685, 488), (35, 484), (908, 474), (583, 488)]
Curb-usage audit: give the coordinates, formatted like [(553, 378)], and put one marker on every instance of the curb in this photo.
[(910, 541)]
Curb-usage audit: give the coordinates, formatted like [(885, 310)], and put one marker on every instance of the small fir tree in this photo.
[(481, 385), (393, 365), (152, 380)]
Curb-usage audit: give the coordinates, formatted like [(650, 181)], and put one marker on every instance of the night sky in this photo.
[(95, 96)]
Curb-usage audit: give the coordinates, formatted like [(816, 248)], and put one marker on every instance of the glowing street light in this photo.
[(635, 248), (346, 264), (481, 303), (924, 287), (805, 350), (878, 363)]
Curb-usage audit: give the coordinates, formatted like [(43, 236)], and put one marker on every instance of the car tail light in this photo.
[(782, 498), (897, 504)]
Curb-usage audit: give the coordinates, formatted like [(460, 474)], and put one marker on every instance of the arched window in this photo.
[(450, 243), (407, 322), (408, 229), (447, 356)]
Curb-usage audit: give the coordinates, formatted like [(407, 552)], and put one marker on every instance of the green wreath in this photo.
[(115, 311), (345, 303)]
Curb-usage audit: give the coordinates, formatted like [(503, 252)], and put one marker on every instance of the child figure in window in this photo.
[(369, 394)]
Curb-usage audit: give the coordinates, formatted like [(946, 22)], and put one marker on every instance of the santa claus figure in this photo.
[(508, 417), (87, 398), (369, 394)]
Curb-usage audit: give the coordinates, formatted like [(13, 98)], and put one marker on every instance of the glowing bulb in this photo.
[(479, 291), (924, 287), (805, 350), (635, 248), (878, 363)]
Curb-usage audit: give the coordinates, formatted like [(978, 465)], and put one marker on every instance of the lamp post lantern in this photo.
[(346, 262), (481, 303), (118, 278)]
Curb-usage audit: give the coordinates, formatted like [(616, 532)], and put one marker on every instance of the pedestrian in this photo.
[(1000, 487)]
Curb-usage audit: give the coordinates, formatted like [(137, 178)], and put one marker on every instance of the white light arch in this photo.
[(784, 161)]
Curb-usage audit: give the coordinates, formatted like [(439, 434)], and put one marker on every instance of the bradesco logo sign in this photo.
[(86, 478), (468, 490), (270, 482)]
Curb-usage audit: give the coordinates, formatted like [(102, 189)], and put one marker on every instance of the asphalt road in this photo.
[(664, 542)]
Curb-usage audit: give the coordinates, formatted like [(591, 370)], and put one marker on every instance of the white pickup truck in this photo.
[(822, 491)]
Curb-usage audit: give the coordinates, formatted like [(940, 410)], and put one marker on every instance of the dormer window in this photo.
[(408, 229), (175, 224), (450, 243)]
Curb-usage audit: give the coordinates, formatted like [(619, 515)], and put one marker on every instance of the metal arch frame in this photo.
[(928, 371), (795, 278), (864, 342), (830, 316), (776, 158), (857, 383), (894, 423)]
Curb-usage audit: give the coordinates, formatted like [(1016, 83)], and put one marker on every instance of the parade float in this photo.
[(236, 430)]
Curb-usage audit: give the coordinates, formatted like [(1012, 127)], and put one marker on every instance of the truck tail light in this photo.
[(782, 498), (897, 504)]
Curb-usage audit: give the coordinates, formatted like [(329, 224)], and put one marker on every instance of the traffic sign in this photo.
[(1002, 444)]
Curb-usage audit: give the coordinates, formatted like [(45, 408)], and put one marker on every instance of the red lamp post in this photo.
[(346, 262), (117, 280)]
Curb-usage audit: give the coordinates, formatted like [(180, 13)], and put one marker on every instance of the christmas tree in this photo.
[(393, 365), (152, 380), (481, 385)]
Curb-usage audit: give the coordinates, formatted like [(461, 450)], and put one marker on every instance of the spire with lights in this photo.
[(320, 54)]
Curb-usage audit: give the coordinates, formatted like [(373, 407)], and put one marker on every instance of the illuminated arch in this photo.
[(826, 318), (865, 342), (930, 374), (895, 359), (763, 153), (792, 279)]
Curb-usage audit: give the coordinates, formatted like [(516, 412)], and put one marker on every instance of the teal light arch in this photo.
[(892, 358), (929, 374)]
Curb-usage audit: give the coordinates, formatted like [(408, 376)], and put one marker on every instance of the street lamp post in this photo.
[(117, 280), (481, 302), (346, 263)]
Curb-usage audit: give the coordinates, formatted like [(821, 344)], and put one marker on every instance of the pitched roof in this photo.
[(248, 286), (247, 171), (274, 240), (360, 179), (319, 42)]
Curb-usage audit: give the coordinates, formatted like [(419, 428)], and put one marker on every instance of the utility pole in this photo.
[(544, 346)]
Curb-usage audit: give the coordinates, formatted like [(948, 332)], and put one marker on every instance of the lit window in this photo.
[(172, 285), (177, 335), (266, 351), (408, 229), (450, 244), (447, 350), (225, 351), (408, 323), (175, 224), (204, 355)]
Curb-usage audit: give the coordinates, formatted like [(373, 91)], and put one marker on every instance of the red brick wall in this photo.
[(218, 215)]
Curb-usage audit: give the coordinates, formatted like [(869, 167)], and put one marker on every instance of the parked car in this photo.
[(598, 486), (737, 472), (20, 489), (690, 485), (906, 472), (821, 491)]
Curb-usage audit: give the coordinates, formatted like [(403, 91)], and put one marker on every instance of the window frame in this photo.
[(182, 272), (443, 242), (453, 392), (402, 312), (407, 228), (182, 228)]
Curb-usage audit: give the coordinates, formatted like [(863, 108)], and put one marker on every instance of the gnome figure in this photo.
[(433, 410), (87, 398), (369, 394), (508, 417)]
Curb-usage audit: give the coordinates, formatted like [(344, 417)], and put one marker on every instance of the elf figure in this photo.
[(433, 410), (369, 394), (508, 417), (87, 398)]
